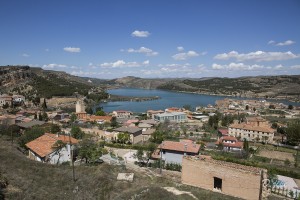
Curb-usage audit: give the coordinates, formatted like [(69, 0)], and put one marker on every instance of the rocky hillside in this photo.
[(44, 83), (135, 82), (284, 87)]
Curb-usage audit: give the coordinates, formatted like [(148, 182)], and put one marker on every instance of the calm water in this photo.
[(168, 99)]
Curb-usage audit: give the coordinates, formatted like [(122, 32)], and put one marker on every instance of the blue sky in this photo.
[(170, 38)]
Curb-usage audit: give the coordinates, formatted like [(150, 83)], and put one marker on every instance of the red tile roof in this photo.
[(43, 145), (252, 128), (236, 144), (180, 146), (223, 131)]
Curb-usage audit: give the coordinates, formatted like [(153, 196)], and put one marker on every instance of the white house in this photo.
[(46, 149), (122, 114), (171, 116), (172, 152)]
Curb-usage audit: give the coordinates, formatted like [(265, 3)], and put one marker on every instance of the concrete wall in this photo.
[(244, 134), (172, 157), (136, 139), (61, 156), (235, 182)]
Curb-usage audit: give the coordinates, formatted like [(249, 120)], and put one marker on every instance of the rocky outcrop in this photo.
[(11, 75)]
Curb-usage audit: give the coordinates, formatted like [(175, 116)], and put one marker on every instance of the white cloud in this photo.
[(144, 50), (180, 49), (295, 67), (138, 33), (285, 43), (174, 70), (237, 66), (217, 66), (53, 65), (185, 56), (278, 67), (288, 42), (271, 42), (146, 62), (72, 49), (25, 55), (257, 56), (122, 63)]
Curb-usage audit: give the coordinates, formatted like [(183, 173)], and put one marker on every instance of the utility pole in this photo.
[(160, 163), (71, 153)]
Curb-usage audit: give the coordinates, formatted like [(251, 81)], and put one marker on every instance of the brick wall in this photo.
[(235, 180)]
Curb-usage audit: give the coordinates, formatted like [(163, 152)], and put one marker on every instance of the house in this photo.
[(223, 131), (122, 114), (147, 134), (5, 99), (8, 119), (18, 98), (134, 133), (27, 125), (45, 149), (149, 121), (230, 143), (253, 129), (228, 178), (172, 152), (145, 126), (171, 116), (151, 113), (100, 119)]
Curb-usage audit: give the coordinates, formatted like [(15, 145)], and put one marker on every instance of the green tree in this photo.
[(73, 117), (45, 117), (89, 150), (100, 113), (247, 107), (290, 107), (54, 128), (44, 105), (76, 132), (139, 155), (58, 147), (293, 132), (40, 117), (187, 107), (272, 106), (36, 101), (114, 122), (89, 110), (35, 116), (123, 137), (246, 145), (29, 135), (5, 106)]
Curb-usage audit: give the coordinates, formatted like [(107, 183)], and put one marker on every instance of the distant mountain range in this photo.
[(47, 83)]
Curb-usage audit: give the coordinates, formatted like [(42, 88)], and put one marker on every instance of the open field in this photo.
[(28, 179), (276, 155)]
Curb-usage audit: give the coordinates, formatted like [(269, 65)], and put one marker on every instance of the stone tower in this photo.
[(80, 108)]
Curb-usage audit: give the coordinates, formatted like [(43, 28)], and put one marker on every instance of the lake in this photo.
[(168, 99)]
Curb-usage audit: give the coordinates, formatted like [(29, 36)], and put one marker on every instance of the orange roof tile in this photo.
[(252, 128), (180, 146), (43, 145)]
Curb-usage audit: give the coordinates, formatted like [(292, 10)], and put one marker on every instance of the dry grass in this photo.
[(276, 155), (33, 180)]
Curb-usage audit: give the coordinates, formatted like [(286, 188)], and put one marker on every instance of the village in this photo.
[(247, 144)]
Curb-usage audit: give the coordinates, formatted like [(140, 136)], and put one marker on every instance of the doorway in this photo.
[(218, 183)]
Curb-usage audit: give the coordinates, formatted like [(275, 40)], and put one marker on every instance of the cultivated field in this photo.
[(276, 155)]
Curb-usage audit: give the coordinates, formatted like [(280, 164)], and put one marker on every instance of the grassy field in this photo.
[(28, 179)]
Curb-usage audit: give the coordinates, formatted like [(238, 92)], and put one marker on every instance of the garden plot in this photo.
[(276, 155)]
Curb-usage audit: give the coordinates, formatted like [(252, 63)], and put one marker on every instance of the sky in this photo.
[(153, 38)]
